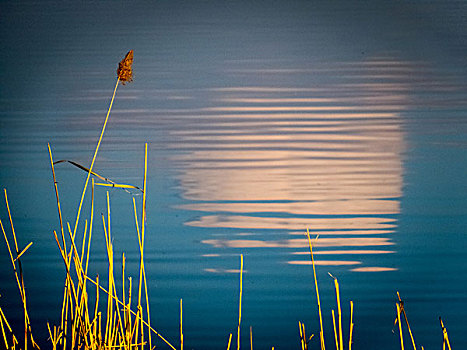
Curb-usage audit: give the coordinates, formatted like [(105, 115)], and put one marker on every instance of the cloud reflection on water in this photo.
[(272, 161)]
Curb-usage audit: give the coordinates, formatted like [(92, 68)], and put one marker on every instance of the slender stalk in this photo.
[(301, 334), (94, 157), (351, 325), (251, 338), (240, 303), (335, 329), (321, 333), (142, 274), (181, 324), (123, 293), (401, 303), (19, 280), (230, 340), (90, 229), (57, 197), (2, 320), (445, 335), (339, 312), (400, 325)]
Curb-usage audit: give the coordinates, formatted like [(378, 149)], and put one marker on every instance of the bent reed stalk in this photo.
[(82, 324)]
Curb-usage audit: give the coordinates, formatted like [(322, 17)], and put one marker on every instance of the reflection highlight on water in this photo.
[(268, 162)]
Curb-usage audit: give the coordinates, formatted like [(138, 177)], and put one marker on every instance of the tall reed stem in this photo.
[(445, 335), (400, 325), (321, 333), (94, 157), (181, 324), (240, 302)]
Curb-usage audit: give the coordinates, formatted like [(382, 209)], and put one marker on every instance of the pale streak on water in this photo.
[(282, 160)]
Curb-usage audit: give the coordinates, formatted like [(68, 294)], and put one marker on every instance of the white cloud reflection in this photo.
[(274, 161)]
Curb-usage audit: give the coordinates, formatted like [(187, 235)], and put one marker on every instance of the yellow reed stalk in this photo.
[(128, 317), (86, 264), (23, 251), (303, 340), (83, 243), (2, 321), (181, 324), (4, 335), (109, 319), (82, 309), (74, 254), (128, 326), (53, 337), (11, 220), (94, 158), (137, 324), (335, 329), (301, 334), (230, 340), (100, 327), (74, 328), (251, 338), (140, 309), (113, 331), (142, 274), (123, 285), (57, 197), (143, 219), (96, 336), (19, 280), (91, 219), (401, 304), (351, 325), (120, 324), (134, 313), (321, 333), (147, 304), (240, 302), (400, 325), (445, 335), (307, 340), (12, 260), (339, 312), (70, 291), (64, 315)]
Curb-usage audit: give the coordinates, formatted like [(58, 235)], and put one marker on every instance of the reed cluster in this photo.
[(95, 315)]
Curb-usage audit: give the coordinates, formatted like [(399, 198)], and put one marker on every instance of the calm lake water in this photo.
[(262, 119)]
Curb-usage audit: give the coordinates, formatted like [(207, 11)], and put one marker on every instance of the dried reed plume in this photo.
[(125, 71)]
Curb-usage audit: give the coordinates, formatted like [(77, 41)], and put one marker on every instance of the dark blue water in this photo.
[(263, 119)]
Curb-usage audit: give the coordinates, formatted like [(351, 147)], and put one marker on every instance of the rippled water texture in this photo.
[(263, 119)]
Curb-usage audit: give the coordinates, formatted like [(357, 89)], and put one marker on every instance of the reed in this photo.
[(240, 302), (445, 335), (402, 310), (251, 338), (321, 332), (398, 308), (351, 325), (230, 340), (181, 324)]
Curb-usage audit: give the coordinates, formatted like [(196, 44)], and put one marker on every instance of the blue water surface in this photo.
[(263, 119)]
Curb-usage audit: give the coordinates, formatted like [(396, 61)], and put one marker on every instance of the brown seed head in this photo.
[(124, 71)]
